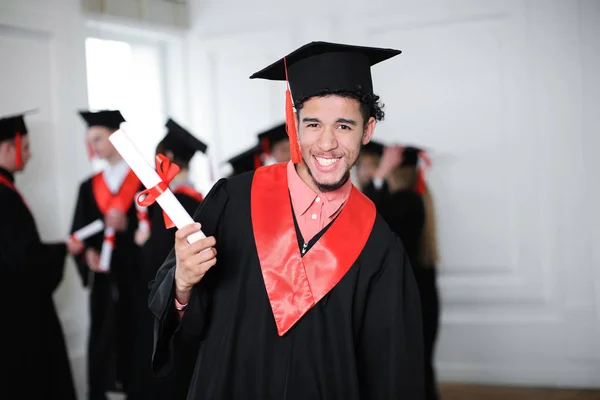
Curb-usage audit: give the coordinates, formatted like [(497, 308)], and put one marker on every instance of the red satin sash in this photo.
[(294, 283), (123, 200)]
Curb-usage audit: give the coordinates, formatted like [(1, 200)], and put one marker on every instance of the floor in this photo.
[(472, 392)]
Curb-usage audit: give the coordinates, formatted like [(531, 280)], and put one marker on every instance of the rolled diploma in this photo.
[(149, 177), (107, 248), (89, 230)]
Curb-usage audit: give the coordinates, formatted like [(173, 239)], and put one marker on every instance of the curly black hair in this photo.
[(370, 106)]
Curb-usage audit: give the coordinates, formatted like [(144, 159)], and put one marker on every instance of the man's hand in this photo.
[(92, 259), (74, 246), (192, 261), (141, 236), (116, 219), (392, 158)]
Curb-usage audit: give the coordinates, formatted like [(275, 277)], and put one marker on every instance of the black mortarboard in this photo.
[(317, 66), (110, 119), (245, 161), (373, 147), (181, 142), (272, 136), (410, 156), (11, 125)]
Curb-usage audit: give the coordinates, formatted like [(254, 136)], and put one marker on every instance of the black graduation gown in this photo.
[(405, 214), (112, 297), (145, 385), (33, 349), (363, 340)]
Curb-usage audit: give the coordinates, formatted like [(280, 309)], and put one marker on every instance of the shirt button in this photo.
[(318, 199), (314, 216)]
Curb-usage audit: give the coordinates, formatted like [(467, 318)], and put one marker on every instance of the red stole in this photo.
[(294, 283), (189, 191), (123, 200), (4, 181)]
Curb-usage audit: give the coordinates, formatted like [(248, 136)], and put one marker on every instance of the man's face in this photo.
[(97, 139), (8, 152), (331, 131), (366, 167), (281, 151)]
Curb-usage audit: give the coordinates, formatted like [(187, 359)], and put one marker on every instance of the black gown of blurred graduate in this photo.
[(32, 349), (337, 317), (408, 209), (112, 297), (179, 146)]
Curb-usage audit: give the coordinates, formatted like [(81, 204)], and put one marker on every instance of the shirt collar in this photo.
[(303, 196)]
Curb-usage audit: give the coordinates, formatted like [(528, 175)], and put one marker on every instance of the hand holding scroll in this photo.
[(193, 260)]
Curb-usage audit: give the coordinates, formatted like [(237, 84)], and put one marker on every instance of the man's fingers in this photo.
[(183, 233)]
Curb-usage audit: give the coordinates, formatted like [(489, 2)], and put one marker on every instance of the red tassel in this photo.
[(257, 161), (425, 163), (18, 152), (290, 122), (266, 146)]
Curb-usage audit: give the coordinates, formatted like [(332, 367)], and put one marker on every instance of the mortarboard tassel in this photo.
[(424, 164), (18, 151), (257, 161), (90, 151), (266, 146), (290, 123)]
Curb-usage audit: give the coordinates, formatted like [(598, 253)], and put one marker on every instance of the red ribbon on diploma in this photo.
[(166, 171)]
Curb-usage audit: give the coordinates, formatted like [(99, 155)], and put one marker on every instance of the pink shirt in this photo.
[(313, 211)]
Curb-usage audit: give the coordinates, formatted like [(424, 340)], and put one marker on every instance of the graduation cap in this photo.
[(181, 142), (14, 127), (373, 147), (269, 137), (110, 119), (319, 66), (248, 160), (410, 156)]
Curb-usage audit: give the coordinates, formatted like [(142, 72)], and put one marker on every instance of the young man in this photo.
[(109, 195), (406, 205), (178, 146), (313, 296), (33, 346), (275, 145)]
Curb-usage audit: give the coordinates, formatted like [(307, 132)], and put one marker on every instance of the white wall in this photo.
[(43, 65), (505, 94)]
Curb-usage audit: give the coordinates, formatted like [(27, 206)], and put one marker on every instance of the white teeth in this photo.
[(326, 161)]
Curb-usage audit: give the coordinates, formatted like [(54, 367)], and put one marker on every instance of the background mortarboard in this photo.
[(317, 66), (11, 125), (110, 119), (410, 156), (181, 142), (271, 136), (245, 161), (373, 147)]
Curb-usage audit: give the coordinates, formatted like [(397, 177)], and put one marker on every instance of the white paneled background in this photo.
[(505, 95)]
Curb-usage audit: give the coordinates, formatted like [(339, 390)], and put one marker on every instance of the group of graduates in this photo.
[(350, 308)]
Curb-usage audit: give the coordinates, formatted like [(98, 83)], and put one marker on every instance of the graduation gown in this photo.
[(404, 212), (360, 340), (33, 346), (145, 385), (113, 294)]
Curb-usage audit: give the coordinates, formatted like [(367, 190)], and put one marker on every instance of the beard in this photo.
[(330, 187)]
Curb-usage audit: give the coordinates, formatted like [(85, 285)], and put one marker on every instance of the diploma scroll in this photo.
[(150, 178), (88, 230), (107, 248)]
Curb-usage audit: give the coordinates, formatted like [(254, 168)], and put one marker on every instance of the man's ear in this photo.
[(368, 130)]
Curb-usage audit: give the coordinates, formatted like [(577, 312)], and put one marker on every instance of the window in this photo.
[(129, 77)]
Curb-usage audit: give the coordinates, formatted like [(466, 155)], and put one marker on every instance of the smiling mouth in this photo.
[(326, 162)]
